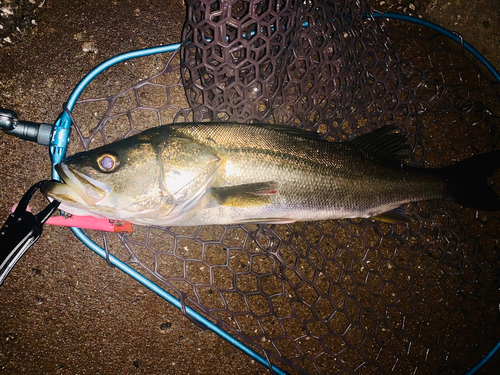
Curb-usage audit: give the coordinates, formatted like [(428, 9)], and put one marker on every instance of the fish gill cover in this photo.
[(333, 296)]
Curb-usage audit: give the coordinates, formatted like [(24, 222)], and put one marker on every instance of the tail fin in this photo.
[(468, 182)]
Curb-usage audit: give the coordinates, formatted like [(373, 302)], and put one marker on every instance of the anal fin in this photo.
[(397, 215)]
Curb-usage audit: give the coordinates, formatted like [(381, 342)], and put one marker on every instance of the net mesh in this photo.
[(332, 296)]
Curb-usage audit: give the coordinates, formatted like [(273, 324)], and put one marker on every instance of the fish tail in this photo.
[(468, 182)]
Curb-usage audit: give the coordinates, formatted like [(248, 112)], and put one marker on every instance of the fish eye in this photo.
[(108, 162)]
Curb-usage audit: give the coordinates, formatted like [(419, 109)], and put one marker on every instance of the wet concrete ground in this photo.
[(63, 309)]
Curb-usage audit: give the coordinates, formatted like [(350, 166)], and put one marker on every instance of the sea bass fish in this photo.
[(222, 173)]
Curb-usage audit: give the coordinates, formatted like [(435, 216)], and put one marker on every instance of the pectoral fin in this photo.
[(246, 195), (397, 215)]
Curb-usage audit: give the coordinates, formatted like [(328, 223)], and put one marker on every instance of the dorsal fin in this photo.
[(287, 129), (382, 143)]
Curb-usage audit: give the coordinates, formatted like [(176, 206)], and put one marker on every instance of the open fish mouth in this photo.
[(77, 185)]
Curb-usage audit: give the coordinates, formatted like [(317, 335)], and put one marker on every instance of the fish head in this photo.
[(142, 179), (114, 181)]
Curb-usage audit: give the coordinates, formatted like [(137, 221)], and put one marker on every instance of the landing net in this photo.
[(338, 296)]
